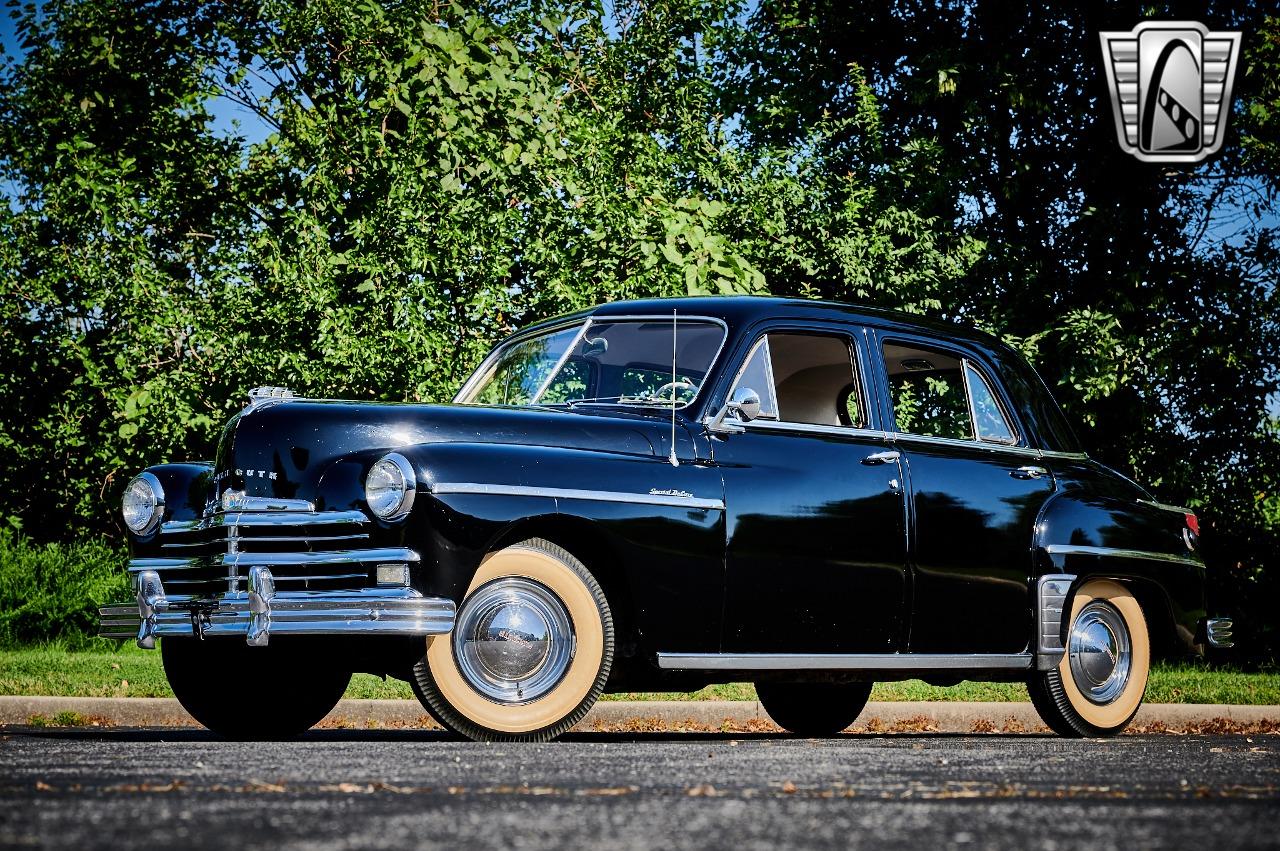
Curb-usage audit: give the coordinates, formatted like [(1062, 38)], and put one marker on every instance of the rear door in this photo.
[(974, 490)]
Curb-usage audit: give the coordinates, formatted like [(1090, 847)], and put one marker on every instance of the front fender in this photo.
[(186, 487), (657, 530)]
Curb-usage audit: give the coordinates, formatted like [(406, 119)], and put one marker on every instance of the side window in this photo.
[(805, 378), (937, 394), (987, 416), (758, 375), (928, 393)]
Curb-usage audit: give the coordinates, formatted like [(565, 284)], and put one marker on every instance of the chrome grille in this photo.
[(306, 550)]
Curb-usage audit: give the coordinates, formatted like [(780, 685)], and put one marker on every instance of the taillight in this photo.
[(1192, 523)]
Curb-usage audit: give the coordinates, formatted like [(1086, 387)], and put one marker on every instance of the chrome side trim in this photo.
[(1051, 596), (1116, 552), (652, 498), (382, 554), (1163, 506), (1074, 456), (844, 661), (812, 428), (266, 518), (1024, 451), (372, 611)]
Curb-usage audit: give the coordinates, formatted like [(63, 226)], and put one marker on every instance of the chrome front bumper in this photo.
[(261, 612)]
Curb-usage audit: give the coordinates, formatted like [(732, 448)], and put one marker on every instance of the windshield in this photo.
[(619, 362)]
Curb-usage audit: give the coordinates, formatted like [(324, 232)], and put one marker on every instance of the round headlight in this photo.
[(143, 503), (390, 486)]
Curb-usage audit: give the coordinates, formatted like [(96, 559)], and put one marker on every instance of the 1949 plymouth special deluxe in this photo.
[(658, 495)]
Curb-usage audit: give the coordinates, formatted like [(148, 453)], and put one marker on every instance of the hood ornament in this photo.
[(260, 397)]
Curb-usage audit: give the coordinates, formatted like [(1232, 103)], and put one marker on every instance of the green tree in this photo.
[(1146, 293), (433, 176)]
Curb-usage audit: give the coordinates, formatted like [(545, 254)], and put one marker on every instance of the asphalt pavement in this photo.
[(339, 789)]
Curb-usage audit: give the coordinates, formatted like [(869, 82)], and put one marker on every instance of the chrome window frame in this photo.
[(967, 364), (1000, 395), (768, 365), (489, 363)]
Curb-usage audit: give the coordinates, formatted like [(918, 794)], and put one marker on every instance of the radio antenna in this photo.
[(675, 462)]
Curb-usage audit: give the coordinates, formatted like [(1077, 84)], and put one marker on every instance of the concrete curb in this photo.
[(943, 716)]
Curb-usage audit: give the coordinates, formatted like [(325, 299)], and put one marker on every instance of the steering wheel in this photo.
[(673, 386)]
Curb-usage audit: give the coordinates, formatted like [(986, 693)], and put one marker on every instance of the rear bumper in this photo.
[(260, 612)]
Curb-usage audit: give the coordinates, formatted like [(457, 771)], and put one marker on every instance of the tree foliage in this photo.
[(431, 177), (1146, 293), (412, 181)]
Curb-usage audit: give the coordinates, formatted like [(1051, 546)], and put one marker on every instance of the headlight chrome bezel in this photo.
[(400, 469), (147, 523)]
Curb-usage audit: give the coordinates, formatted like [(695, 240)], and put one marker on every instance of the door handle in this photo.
[(881, 458), (1030, 472)]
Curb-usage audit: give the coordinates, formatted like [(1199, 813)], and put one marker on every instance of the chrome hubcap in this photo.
[(513, 640), (1100, 652)]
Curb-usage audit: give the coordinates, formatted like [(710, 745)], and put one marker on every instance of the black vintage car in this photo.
[(658, 495)]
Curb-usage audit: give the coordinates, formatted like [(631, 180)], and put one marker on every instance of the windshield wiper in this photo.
[(621, 400), (572, 402)]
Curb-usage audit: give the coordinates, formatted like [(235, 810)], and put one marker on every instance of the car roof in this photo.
[(739, 311)]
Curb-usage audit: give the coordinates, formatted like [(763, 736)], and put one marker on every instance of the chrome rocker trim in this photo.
[(844, 661), (262, 612)]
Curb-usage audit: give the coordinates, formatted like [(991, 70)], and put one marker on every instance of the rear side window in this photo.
[(940, 394), (988, 419)]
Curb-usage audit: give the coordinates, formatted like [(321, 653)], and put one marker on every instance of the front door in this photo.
[(975, 491), (816, 554)]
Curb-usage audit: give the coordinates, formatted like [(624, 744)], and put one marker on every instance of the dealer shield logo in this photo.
[(1170, 84)]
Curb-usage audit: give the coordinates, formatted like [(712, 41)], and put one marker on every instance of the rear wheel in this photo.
[(242, 692), (813, 709), (1098, 686), (531, 648)]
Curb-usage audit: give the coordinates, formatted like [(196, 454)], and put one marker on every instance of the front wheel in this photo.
[(1098, 686), (531, 648), (813, 709), (242, 692)]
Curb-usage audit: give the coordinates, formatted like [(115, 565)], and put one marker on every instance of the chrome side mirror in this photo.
[(744, 404)]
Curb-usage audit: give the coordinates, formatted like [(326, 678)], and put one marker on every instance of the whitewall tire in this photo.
[(530, 651)]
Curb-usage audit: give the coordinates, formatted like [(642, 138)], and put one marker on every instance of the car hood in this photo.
[(282, 449)]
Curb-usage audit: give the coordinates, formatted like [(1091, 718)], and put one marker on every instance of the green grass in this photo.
[(105, 669)]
